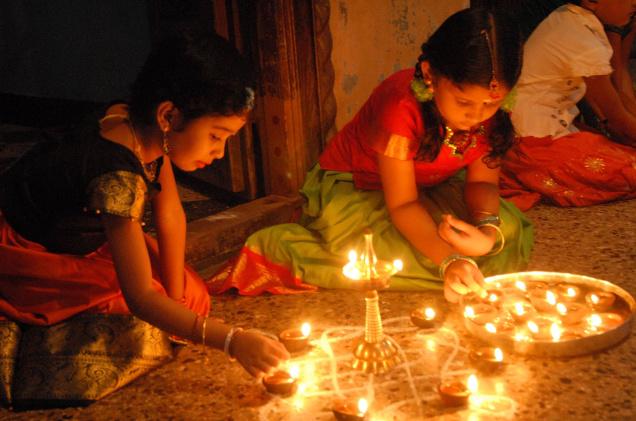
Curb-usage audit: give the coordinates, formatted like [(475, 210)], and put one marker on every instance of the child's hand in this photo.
[(467, 239), (460, 278), (257, 353)]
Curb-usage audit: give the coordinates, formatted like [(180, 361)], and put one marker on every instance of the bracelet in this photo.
[(205, 323), (502, 239), (491, 219), (453, 258), (228, 342)]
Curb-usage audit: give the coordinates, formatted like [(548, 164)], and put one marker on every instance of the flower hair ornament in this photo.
[(421, 90)]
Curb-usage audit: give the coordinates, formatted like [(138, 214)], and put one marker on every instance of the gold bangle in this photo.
[(205, 323), (453, 258), (228, 342), (502, 242)]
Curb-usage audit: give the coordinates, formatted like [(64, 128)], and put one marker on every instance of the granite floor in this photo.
[(596, 241)]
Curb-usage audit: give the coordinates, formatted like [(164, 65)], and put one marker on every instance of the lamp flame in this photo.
[(305, 329), (594, 298), (398, 265), (472, 383), (521, 285), (498, 354), (550, 298), (363, 406), (429, 313), (469, 312), (294, 371), (491, 328), (555, 331), (353, 256), (533, 327), (562, 309), (519, 309)]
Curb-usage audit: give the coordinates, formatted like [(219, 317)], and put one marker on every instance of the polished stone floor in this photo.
[(597, 241)]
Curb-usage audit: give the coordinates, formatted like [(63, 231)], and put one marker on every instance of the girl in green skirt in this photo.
[(418, 165)]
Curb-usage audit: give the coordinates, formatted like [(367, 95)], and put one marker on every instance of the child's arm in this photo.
[(620, 63), (601, 92), (412, 219), (170, 221), (255, 352)]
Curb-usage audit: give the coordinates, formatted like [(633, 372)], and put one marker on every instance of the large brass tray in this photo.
[(624, 305)]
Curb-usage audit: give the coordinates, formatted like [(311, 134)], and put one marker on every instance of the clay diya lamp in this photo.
[(541, 327), (453, 393), (494, 297), (295, 340), (520, 310), (347, 410), (280, 383), (480, 313), (571, 313), (568, 292), (598, 323), (487, 359), (544, 300), (600, 300), (424, 318)]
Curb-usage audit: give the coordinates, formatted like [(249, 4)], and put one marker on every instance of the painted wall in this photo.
[(374, 38)]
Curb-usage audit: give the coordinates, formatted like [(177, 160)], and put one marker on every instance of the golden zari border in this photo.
[(397, 147), (121, 193)]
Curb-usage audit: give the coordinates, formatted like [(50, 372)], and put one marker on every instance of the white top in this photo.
[(568, 45)]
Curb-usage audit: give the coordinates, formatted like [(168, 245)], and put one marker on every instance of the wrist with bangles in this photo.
[(493, 221), (227, 342), (448, 260)]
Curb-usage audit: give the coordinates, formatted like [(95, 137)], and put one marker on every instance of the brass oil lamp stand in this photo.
[(375, 353)]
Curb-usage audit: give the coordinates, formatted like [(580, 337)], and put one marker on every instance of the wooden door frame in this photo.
[(296, 108)]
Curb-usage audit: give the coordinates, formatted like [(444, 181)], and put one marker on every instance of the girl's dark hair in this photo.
[(458, 50), (196, 69)]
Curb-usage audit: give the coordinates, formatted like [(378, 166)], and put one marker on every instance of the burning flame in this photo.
[(305, 329), (595, 320), (294, 371), (491, 328), (521, 285), (533, 327), (493, 298), (353, 256), (472, 383), (555, 331), (498, 354), (398, 265), (562, 309), (594, 298), (550, 298), (429, 313), (571, 292), (469, 312), (519, 309), (363, 406)]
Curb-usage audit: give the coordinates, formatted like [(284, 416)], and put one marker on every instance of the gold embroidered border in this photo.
[(121, 193), (397, 147)]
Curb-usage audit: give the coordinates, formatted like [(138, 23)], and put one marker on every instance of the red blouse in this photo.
[(390, 123)]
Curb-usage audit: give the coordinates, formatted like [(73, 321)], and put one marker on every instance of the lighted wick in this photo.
[(424, 319), (487, 359), (541, 327), (480, 313), (571, 313), (543, 300), (296, 340), (345, 410), (521, 311), (521, 286), (602, 322), (568, 292), (494, 297), (456, 393), (600, 300), (282, 382)]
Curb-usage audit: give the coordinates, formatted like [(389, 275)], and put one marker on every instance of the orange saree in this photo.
[(579, 169)]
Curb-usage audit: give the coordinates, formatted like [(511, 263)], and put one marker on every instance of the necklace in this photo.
[(461, 142), (149, 169)]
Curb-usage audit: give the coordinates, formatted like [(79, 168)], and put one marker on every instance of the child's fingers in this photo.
[(457, 285), (458, 224)]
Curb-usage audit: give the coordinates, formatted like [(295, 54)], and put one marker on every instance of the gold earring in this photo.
[(164, 142)]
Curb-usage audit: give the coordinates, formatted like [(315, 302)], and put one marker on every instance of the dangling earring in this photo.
[(422, 90), (164, 142)]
